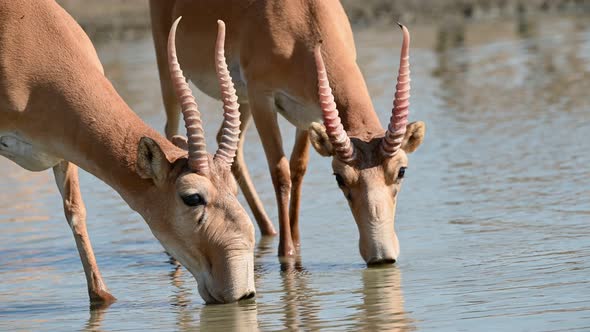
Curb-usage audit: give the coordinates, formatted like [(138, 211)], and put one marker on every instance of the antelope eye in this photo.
[(340, 180), (402, 172), (193, 200)]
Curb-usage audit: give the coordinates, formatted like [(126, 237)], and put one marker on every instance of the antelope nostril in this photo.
[(248, 296), (380, 261)]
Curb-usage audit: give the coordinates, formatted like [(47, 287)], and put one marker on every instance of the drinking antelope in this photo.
[(59, 111), (277, 64)]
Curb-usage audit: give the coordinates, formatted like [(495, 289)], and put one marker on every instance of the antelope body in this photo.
[(59, 111), (278, 68)]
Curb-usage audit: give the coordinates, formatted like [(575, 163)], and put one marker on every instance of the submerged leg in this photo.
[(66, 178)]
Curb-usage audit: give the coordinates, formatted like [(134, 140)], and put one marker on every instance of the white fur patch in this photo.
[(25, 154), (299, 114)]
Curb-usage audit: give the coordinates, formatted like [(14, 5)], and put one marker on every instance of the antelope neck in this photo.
[(103, 138), (354, 103)]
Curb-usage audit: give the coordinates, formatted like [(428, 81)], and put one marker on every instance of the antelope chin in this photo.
[(206, 295)]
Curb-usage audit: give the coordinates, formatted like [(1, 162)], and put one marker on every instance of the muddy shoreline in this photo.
[(121, 19)]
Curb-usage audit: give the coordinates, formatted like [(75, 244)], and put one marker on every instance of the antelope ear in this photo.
[(414, 136), (180, 142), (151, 161), (320, 140)]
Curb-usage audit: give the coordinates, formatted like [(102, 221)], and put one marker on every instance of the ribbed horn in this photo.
[(394, 135), (343, 148), (197, 151), (230, 132)]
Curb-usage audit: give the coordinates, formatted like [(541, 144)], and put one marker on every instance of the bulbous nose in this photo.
[(377, 261), (379, 250), (248, 296), (238, 279)]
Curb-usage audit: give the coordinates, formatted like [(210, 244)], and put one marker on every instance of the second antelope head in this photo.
[(370, 173), (203, 226)]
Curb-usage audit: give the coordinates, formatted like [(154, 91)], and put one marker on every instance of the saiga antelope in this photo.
[(59, 111), (276, 62)]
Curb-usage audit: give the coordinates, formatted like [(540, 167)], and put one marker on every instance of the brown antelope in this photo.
[(276, 63), (59, 111)]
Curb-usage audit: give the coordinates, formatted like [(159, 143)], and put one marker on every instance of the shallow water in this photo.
[(493, 217)]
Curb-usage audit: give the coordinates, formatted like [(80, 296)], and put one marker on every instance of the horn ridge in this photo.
[(198, 159), (343, 148), (398, 122), (228, 144)]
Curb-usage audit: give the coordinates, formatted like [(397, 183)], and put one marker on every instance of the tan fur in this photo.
[(371, 186), (269, 47), (58, 110)]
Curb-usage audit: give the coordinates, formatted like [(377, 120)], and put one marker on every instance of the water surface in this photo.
[(492, 219)]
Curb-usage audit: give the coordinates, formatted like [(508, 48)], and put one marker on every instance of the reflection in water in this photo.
[(382, 308), (181, 299), (453, 66), (299, 305), (96, 318), (226, 317), (229, 317)]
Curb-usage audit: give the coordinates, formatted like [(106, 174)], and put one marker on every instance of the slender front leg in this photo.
[(242, 175), (298, 165), (66, 178), (267, 125), (161, 23)]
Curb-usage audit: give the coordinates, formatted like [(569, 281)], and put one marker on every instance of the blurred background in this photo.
[(125, 16), (492, 218)]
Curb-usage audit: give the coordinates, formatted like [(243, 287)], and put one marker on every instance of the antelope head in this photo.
[(205, 226), (370, 173)]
